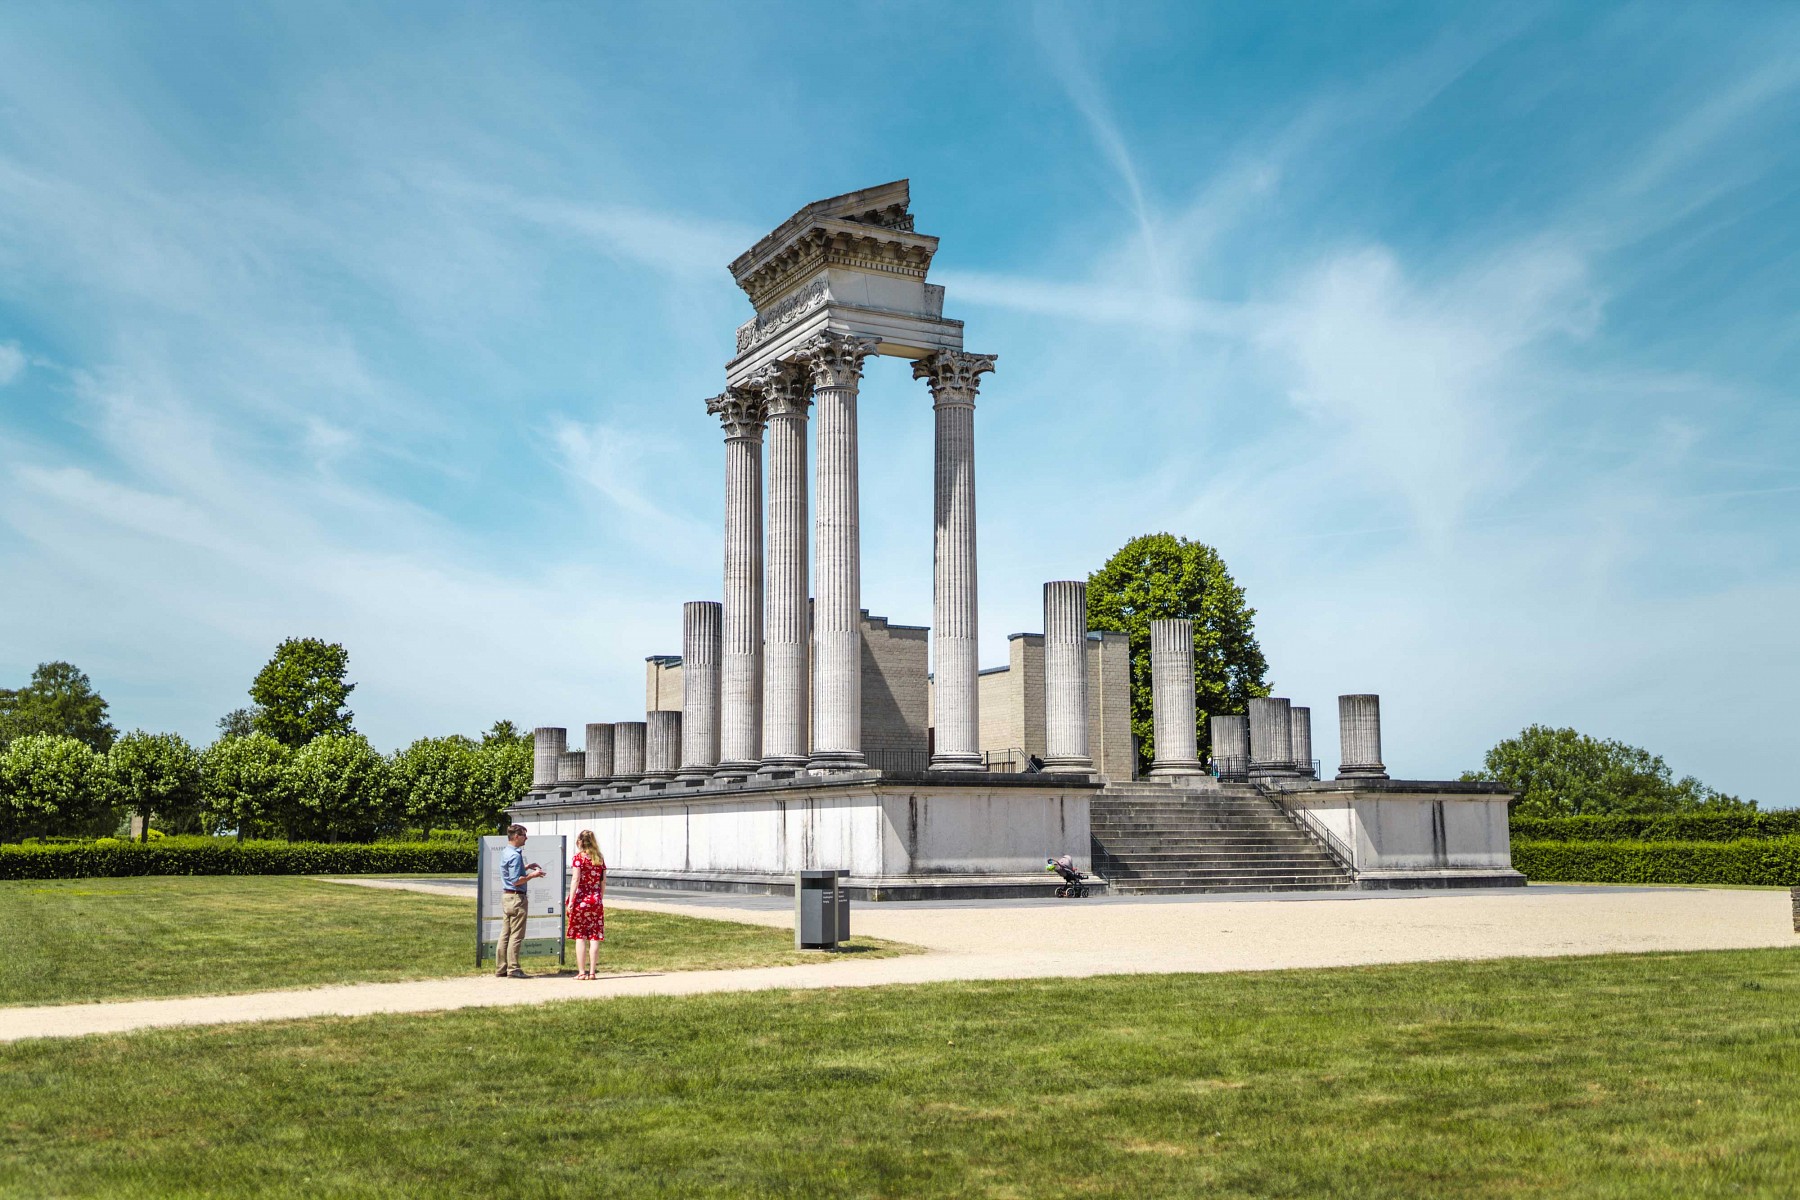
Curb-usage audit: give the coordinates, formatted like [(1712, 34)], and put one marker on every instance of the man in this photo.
[(515, 873)]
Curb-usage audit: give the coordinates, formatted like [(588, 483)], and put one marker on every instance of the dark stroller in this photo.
[(1074, 886)]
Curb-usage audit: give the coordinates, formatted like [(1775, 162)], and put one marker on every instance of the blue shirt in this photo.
[(512, 868)]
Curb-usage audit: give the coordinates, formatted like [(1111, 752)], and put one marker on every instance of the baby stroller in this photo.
[(1073, 887)]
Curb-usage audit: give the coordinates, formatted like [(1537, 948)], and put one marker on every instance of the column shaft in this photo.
[(628, 751), (1065, 677), (835, 361), (1231, 746), (548, 744), (662, 744), (1359, 737), (955, 636), (1271, 737), (598, 743), (570, 766), (700, 645), (1172, 698), (788, 394), (740, 668), (1300, 720)]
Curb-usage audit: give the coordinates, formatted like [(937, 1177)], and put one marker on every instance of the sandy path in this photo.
[(1017, 940)]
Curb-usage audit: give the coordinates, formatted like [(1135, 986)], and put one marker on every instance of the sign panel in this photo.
[(544, 926)]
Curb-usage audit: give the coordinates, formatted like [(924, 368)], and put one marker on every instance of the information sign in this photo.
[(544, 924)]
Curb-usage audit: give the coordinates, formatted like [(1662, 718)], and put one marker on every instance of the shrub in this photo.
[(1659, 827), (1765, 861), (208, 856)]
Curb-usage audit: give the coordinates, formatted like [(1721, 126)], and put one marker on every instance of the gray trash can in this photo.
[(821, 910)]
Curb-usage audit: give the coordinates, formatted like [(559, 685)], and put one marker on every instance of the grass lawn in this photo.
[(101, 939), (1625, 1076)]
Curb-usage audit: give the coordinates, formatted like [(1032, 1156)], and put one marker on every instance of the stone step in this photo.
[(1218, 889)]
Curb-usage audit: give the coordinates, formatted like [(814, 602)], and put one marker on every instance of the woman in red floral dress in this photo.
[(587, 904)]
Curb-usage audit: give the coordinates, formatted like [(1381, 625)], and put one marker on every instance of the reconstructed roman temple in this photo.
[(795, 731)]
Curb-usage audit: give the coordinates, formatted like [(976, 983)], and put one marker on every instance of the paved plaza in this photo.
[(1024, 939)]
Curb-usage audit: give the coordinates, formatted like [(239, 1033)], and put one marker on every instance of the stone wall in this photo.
[(1012, 704), (894, 691), (662, 683), (1109, 705)]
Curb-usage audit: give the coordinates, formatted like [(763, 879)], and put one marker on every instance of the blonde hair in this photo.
[(584, 842)]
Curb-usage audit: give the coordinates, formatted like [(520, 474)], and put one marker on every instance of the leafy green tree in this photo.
[(60, 699), (52, 785), (244, 785), (158, 774), (1563, 773), (300, 694), (502, 777), (342, 791), (436, 780), (239, 722), (1158, 577), (505, 732)]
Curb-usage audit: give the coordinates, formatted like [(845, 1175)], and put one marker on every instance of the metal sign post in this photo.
[(545, 929)]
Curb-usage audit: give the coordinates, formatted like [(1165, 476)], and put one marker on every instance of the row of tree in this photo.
[(336, 787), (1564, 773)]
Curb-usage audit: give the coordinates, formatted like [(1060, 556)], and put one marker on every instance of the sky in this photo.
[(1468, 334)]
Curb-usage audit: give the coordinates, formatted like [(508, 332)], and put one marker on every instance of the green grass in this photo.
[(1626, 1076), (98, 939)]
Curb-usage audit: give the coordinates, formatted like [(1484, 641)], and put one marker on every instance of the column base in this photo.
[(1362, 773), (787, 763), (1164, 768), (735, 770), (1072, 765), (695, 774), (956, 762), (828, 762)]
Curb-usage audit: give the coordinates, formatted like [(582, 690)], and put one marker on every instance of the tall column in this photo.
[(742, 414), (628, 751), (1230, 746), (787, 392), (662, 744), (1359, 737), (599, 746), (1172, 698), (835, 362), (700, 634), (548, 743), (953, 376), (1271, 737), (1065, 678), (1301, 728)]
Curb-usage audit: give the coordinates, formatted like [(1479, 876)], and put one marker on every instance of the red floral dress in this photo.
[(587, 915)]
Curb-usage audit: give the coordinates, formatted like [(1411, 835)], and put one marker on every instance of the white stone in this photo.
[(787, 392), (662, 744), (1172, 699), (599, 746), (628, 751), (742, 414), (1271, 737), (701, 634), (1066, 677), (1359, 737), (548, 742)]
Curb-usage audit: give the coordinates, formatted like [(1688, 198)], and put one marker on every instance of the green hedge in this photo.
[(1767, 861), (207, 856), (1660, 827)]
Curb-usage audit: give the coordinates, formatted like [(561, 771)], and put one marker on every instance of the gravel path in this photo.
[(1029, 939)]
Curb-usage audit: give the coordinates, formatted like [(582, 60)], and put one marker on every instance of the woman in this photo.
[(587, 904)]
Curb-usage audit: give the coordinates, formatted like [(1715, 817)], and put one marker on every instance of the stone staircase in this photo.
[(1157, 838)]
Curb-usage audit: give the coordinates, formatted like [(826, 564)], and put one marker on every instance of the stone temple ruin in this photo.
[(796, 731)]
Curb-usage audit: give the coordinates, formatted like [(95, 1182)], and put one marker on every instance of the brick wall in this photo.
[(662, 683)]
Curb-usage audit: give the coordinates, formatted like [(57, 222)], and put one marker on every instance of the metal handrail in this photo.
[(1309, 823)]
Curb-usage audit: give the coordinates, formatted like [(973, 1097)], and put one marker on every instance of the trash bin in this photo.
[(821, 910)]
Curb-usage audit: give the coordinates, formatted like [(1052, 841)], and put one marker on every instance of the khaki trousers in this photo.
[(512, 932)]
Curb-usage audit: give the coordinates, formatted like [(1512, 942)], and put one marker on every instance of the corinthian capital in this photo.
[(835, 359), (741, 411), (953, 375), (786, 389)]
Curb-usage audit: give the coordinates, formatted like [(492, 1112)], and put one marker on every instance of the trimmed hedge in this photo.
[(206, 856), (1765, 861), (1660, 827)]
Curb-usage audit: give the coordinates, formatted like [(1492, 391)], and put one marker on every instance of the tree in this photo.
[(1562, 773), (54, 785), (502, 777), (1160, 576), (505, 732), (158, 773), (239, 722), (300, 694), (435, 779), (244, 785), (342, 790), (59, 700)]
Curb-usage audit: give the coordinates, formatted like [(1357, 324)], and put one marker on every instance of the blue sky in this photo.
[(1470, 337)]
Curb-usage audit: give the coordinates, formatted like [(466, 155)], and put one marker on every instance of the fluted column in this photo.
[(1300, 725), (1271, 737), (955, 648), (548, 743), (700, 641), (599, 746), (662, 744), (787, 393), (628, 751), (835, 362), (571, 766), (742, 414), (1065, 677), (1172, 698), (1230, 746), (1359, 737)]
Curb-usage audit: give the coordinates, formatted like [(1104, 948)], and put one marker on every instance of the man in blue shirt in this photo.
[(515, 873)]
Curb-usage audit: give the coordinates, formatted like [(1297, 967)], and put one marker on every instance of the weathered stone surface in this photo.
[(598, 741), (1300, 728), (894, 701), (1230, 735), (1172, 698), (742, 413), (1066, 677), (571, 766), (787, 391), (548, 742), (1359, 737), (701, 634), (628, 751), (662, 744), (1271, 737)]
